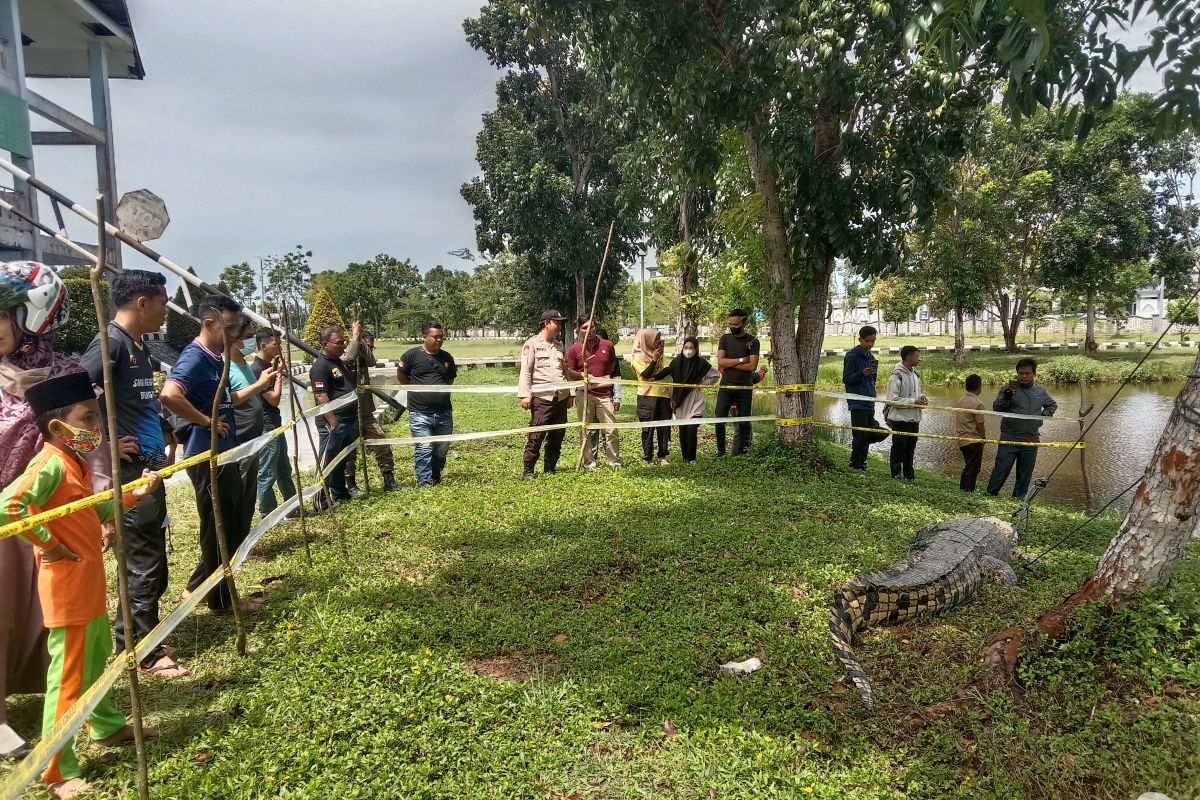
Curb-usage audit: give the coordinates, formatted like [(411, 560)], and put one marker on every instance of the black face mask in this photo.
[(736, 331)]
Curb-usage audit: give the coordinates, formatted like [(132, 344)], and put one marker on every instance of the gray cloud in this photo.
[(345, 127)]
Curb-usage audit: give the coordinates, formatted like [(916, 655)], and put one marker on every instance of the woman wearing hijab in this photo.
[(654, 401), (688, 367), (33, 306)]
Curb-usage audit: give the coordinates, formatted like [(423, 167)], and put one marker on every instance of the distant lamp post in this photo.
[(642, 292)]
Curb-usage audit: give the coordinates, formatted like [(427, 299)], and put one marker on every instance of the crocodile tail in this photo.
[(845, 619)]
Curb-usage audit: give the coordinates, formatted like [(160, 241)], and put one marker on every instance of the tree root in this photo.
[(1003, 649)]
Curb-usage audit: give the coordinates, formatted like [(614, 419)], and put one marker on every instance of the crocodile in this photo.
[(943, 569)]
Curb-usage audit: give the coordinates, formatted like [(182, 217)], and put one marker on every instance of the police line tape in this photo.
[(967, 439), (547, 388), (230, 456), (64, 730)]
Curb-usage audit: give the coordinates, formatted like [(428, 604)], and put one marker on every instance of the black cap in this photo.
[(60, 392), (551, 314), (367, 333)]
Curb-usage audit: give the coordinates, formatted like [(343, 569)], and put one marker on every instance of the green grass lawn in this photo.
[(490, 638)]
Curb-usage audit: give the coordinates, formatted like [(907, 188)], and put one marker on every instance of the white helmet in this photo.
[(36, 295)]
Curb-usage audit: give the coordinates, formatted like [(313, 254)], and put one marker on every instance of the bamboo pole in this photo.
[(1083, 413), (118, 542), (583, 428), (286, 355), (215, 494), (320, 470), (364, 379)]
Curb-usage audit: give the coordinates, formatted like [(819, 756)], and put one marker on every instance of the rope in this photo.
[(1079, 527)]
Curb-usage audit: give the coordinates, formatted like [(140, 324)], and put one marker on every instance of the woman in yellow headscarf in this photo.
[(654, 399)]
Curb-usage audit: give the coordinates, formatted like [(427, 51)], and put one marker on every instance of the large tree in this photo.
[(288, 275), (551, 182), (848, 140), (238, 279)]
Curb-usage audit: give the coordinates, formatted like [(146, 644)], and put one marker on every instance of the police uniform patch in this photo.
[(335, 372)]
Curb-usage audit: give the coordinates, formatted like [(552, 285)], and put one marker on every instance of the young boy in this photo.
[(71, 579), (970, 426)]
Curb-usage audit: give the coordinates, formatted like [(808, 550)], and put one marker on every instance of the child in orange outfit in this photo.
[(71, 579)]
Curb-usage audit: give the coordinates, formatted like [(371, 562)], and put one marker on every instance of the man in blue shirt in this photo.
[(859, 372), (140, 299), (189, 394)]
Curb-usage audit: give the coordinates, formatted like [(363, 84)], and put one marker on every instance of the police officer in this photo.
[(331, 380), (542, 362)]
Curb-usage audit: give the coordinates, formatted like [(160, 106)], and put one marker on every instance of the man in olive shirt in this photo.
[(330, 381), (542, 360), (737, 357)]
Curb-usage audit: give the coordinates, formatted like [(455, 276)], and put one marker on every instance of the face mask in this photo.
[(80, 440), (736, 331), (689, 353)]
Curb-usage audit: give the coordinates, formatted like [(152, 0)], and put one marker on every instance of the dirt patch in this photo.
[(515, 666)]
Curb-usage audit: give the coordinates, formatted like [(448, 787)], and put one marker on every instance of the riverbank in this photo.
[(493, 638)]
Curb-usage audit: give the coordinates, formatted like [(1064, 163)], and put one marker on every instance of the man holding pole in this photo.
[(598, 358), (542, 362), (189, 393), (140, 300), (273, 464), (362, 348)]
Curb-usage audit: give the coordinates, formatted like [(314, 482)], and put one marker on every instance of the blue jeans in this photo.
[(274, 467), (1006, 456), (430, 459), (330, 445)]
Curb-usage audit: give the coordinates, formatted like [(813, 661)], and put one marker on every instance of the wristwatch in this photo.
[(742, 360)]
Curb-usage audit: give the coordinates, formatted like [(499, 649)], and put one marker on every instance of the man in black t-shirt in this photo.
[(429, 413), (273, 464), (331, 380), (737, 357)]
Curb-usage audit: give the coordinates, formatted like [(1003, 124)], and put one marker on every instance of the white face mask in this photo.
[(689, 353)]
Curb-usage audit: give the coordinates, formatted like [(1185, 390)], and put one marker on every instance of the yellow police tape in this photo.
[(968, 439), (63, 731), (235, 454)]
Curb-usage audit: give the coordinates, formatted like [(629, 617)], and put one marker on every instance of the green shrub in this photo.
[(81, 325), (324, 313)]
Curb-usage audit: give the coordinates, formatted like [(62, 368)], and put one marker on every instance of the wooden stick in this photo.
[(286, 354), (118, 542), (215, 494), (583, 431)]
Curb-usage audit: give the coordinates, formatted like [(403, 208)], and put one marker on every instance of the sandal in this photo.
[(159, 668)]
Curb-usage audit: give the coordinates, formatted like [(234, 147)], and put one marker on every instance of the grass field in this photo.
[(490, 638)]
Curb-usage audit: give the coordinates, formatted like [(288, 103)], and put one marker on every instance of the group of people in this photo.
[(54, 627), (906, 399), (666, 390)]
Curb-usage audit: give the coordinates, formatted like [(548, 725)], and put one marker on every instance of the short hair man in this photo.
[(189, 393), (594, 355), (904, 386), (860, 371), (1020, 396), (246, 389), (969, 424), (737, 356), (542, 362), (362, 349), (332, 380), (273, 464), (140, 300), (429, 413)]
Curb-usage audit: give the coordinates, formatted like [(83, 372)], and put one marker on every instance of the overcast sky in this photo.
[(346, 127)]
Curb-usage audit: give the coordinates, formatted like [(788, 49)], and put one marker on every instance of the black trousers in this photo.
[(649, 409), (903, 449), (1006, 455), (688, 437), (145, 562), (726, 399), (330, 444), (546, 411), (862, 440), (972, 460), (229, 490), (248, 468)]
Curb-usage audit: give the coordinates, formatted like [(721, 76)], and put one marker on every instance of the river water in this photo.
[(1119, 444)]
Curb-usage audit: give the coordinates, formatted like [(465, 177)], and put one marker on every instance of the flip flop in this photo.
[(155, 670)]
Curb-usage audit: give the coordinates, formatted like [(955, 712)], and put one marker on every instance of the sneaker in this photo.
[(528, 475), (424, 484), (356, 493), (389, 483)]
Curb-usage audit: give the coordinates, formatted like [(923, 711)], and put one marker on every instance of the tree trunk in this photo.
[(688, 269), (1166, 507), (1089, 343), (960, 351), (781, 309)]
